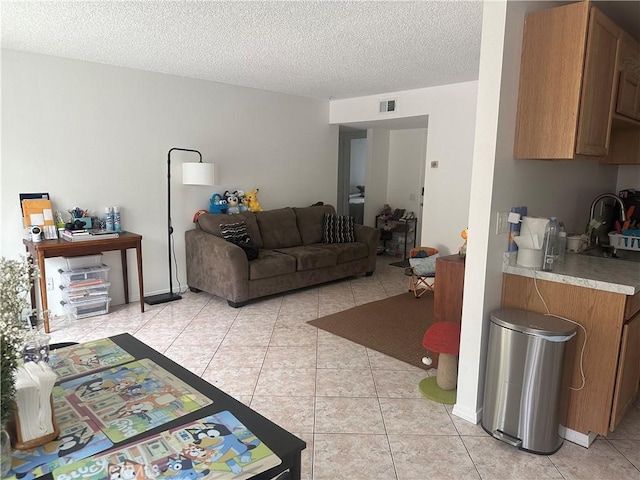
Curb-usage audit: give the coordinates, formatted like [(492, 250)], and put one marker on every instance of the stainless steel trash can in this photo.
[(524, 379)]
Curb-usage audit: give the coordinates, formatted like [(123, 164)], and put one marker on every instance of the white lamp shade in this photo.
[(198, 173)]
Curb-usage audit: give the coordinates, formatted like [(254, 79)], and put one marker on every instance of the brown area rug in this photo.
[(393, 326)]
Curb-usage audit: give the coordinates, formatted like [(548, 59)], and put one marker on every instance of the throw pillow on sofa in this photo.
[(338, 229), (237, 233)]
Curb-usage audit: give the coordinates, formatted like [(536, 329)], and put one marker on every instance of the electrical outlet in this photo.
[(502, 223), (49, 283)]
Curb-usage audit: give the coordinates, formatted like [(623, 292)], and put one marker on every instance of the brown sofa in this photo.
[(292, 254)]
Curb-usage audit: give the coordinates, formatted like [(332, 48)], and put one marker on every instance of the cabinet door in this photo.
[(628, 103), (447, 299), (596, 101), (628, 374)]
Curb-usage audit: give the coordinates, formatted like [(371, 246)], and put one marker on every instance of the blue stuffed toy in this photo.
[(218, 204)]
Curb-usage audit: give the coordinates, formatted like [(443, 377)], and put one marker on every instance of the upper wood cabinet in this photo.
[(628, 99), (567, 83)]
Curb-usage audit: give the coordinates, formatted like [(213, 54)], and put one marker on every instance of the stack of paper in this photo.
[(34, 384)]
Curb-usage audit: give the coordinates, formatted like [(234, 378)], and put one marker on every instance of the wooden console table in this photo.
[(63, 248)]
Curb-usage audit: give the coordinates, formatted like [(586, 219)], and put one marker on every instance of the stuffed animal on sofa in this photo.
[(252, 199), (217, 204), (232, 203), (243, 203)]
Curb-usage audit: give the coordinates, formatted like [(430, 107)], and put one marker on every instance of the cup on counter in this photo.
[(574, 243)]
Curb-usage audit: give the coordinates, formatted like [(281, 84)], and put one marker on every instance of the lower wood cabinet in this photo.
[(449, 288), (611, 359)]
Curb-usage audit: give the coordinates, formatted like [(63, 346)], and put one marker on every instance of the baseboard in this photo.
[(584, 440), (472, 416)]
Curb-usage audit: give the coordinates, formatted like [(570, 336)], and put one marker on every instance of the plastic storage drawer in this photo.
[(96, 292), (84, 277), (84, 261), (87, 308)]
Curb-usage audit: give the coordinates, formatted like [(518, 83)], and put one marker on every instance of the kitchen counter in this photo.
[(607, 274)]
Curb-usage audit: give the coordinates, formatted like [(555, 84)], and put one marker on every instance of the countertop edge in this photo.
[(588, 278)]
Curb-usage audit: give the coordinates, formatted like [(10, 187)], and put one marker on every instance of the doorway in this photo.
[(352, 165)]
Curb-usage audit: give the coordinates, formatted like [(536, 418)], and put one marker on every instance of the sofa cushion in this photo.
[(309, 257), (278, 228), (210, 223), (271, 264), (338, 229), (346, 252), (311, 222)]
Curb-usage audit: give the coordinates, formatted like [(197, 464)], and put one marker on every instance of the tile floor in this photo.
[(359, 411)]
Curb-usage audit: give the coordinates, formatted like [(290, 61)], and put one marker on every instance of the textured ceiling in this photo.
[(325, 49)]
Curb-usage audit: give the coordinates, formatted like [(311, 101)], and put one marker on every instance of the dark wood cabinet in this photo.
[(447, 304)]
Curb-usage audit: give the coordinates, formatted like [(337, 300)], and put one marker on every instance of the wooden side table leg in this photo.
[(140, 276), (125, 274), (43, 292)]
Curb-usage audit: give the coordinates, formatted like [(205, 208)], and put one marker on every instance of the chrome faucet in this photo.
[(590, 228)]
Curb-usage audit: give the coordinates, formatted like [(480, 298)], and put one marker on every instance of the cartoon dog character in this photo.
[(226, 446), (58, 448), (181, 468), (127, 470)]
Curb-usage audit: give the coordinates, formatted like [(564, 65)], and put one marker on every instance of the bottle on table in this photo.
[(550, 245)]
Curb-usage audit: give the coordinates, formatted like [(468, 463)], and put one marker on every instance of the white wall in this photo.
[(95, 135), (628, 177), (376, 173), (407, 155), (451, 110), (562, 188)]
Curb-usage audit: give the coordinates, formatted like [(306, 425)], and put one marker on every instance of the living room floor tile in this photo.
[(234, 381), (348, 415), (417, 457), (299, 317), (283, 382), (193, 357), (241, 335), (398, 383), (600, 461), (227, 356), (342, 382), (465, 428), (353, 457), (342, 355), (630, 449), (307, 455), (290, 357), (294, 335), (295, 414), (416, 416), (380, 361), (495, 460)]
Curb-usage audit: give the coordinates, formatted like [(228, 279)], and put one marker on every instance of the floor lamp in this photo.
[(193, 173)]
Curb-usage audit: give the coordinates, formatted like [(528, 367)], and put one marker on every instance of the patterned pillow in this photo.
[(338, 229), (235, 232)]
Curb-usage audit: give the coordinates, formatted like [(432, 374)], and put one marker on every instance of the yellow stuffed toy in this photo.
[(252, 200)]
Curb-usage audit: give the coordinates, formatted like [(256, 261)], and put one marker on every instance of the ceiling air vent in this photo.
[(387, 106)]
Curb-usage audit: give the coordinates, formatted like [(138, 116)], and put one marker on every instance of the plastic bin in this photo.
[(84, 261), (96, 292), (524, 381), (87, 308), (83, 277)]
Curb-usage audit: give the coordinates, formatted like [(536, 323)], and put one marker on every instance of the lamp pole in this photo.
[(169, 297)]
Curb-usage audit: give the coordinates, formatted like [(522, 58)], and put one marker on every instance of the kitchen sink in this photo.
[(609, 252)]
